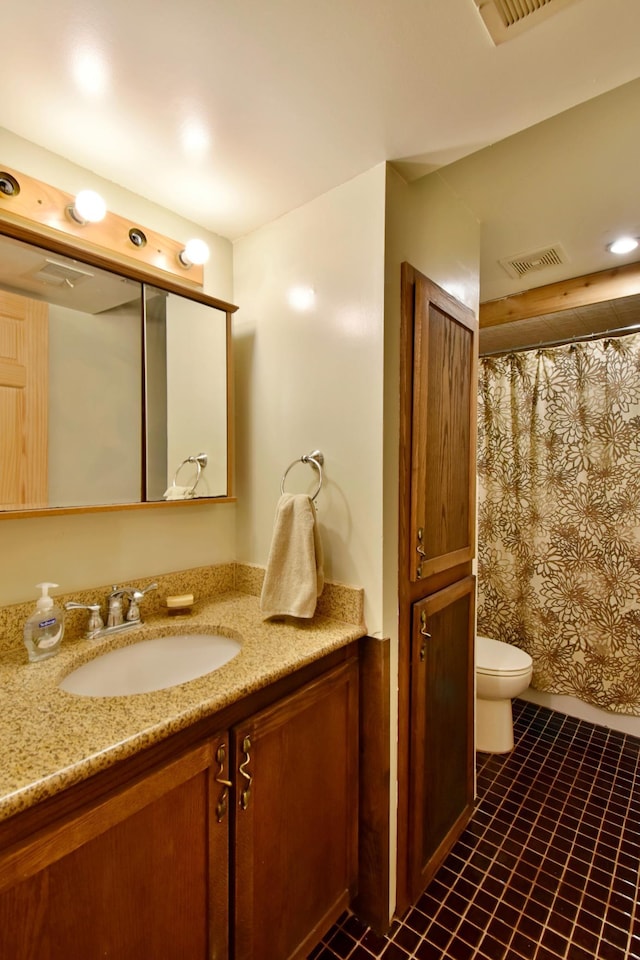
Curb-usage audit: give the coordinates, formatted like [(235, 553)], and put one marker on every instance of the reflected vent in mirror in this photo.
[(56, 274)]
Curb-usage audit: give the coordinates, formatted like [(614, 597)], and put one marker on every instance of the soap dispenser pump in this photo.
[(44, 628)]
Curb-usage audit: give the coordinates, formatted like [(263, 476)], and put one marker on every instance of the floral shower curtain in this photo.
[(559, 515)]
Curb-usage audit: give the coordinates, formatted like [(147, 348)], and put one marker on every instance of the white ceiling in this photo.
[(570, 182), (232, 112)]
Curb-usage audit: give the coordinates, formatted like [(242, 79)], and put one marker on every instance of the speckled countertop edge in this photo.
[(51, 739)]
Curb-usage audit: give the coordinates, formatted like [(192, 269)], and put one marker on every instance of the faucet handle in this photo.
[(133, 613), (150, 586), (132, 591), (95, 618)]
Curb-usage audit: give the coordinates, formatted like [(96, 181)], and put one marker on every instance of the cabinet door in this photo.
[(443, 432), (296, 818), (442, 695), (140, 874)]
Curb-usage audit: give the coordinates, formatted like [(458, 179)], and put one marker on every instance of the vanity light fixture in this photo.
[(196, 252), (88, 207), (623, 245), (38, 205)]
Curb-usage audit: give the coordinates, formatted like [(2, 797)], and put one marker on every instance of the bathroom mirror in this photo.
[(107, 385), (186, 398)]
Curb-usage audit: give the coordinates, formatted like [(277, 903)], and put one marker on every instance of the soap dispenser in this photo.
[(44, 629)]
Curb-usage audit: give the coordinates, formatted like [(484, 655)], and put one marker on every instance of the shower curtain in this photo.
[(559, 515)]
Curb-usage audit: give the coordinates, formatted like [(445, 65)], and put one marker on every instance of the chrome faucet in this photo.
[(116, 620), (115, 612), (95, 627)]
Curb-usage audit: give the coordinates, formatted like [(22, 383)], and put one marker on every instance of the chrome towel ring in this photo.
[(200, 460), (316, 459)]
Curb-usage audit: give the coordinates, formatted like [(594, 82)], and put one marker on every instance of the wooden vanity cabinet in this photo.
[(181, 861), (141, 873), (295, 831)]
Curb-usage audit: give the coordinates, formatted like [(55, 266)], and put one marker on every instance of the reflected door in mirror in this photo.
[(23, 402)]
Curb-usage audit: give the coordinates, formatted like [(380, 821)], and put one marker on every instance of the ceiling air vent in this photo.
[(56, 274), (505, 19), (518, 267)]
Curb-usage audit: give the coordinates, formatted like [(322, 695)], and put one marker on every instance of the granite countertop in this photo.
[(52, 739)]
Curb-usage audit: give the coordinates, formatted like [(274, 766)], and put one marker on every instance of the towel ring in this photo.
[(316, 459), (200, 460)]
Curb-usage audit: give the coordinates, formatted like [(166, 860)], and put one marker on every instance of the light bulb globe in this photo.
[(195, 252), (89, 206)]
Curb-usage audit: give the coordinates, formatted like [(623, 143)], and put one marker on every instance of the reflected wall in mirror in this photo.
[(186, 397), (80, 427)]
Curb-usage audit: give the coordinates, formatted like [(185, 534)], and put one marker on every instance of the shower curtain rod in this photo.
[(581, 338)]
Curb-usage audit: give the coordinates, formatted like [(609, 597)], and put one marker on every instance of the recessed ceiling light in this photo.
[(623, 245)]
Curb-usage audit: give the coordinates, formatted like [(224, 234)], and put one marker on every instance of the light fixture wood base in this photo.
[(38, 203)]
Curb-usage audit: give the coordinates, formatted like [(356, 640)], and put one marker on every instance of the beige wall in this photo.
[(430, 228), (329, 377), (84, 550), (313, 379)]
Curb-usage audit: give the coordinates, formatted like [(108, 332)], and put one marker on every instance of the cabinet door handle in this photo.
[(425, 633), (421, 553), (244, 796), (222, 804)]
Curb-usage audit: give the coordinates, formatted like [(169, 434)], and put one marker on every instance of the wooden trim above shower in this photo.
[(622, 281)]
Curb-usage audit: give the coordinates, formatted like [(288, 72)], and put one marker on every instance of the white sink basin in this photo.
[(151, 665)]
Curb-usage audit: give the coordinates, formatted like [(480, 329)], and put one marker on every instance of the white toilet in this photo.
[(502, 672)]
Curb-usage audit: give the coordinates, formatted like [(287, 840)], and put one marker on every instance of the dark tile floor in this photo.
[(548, 867)]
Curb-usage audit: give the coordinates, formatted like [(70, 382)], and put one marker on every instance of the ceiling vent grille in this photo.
[(505, 19), (518, 267)]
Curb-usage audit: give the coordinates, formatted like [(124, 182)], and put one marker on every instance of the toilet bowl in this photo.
[(502, 672)]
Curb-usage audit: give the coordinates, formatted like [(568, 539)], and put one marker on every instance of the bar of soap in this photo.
[(180, 604)]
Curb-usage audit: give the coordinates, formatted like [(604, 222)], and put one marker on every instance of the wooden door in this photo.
[(140, 874), (24, 379), (296, 818), (443, 432), (441, 746), (436, 545)]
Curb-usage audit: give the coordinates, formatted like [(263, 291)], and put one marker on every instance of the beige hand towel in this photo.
[(294, 577)]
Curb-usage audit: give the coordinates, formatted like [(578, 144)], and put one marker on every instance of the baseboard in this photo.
[(583, 711)]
